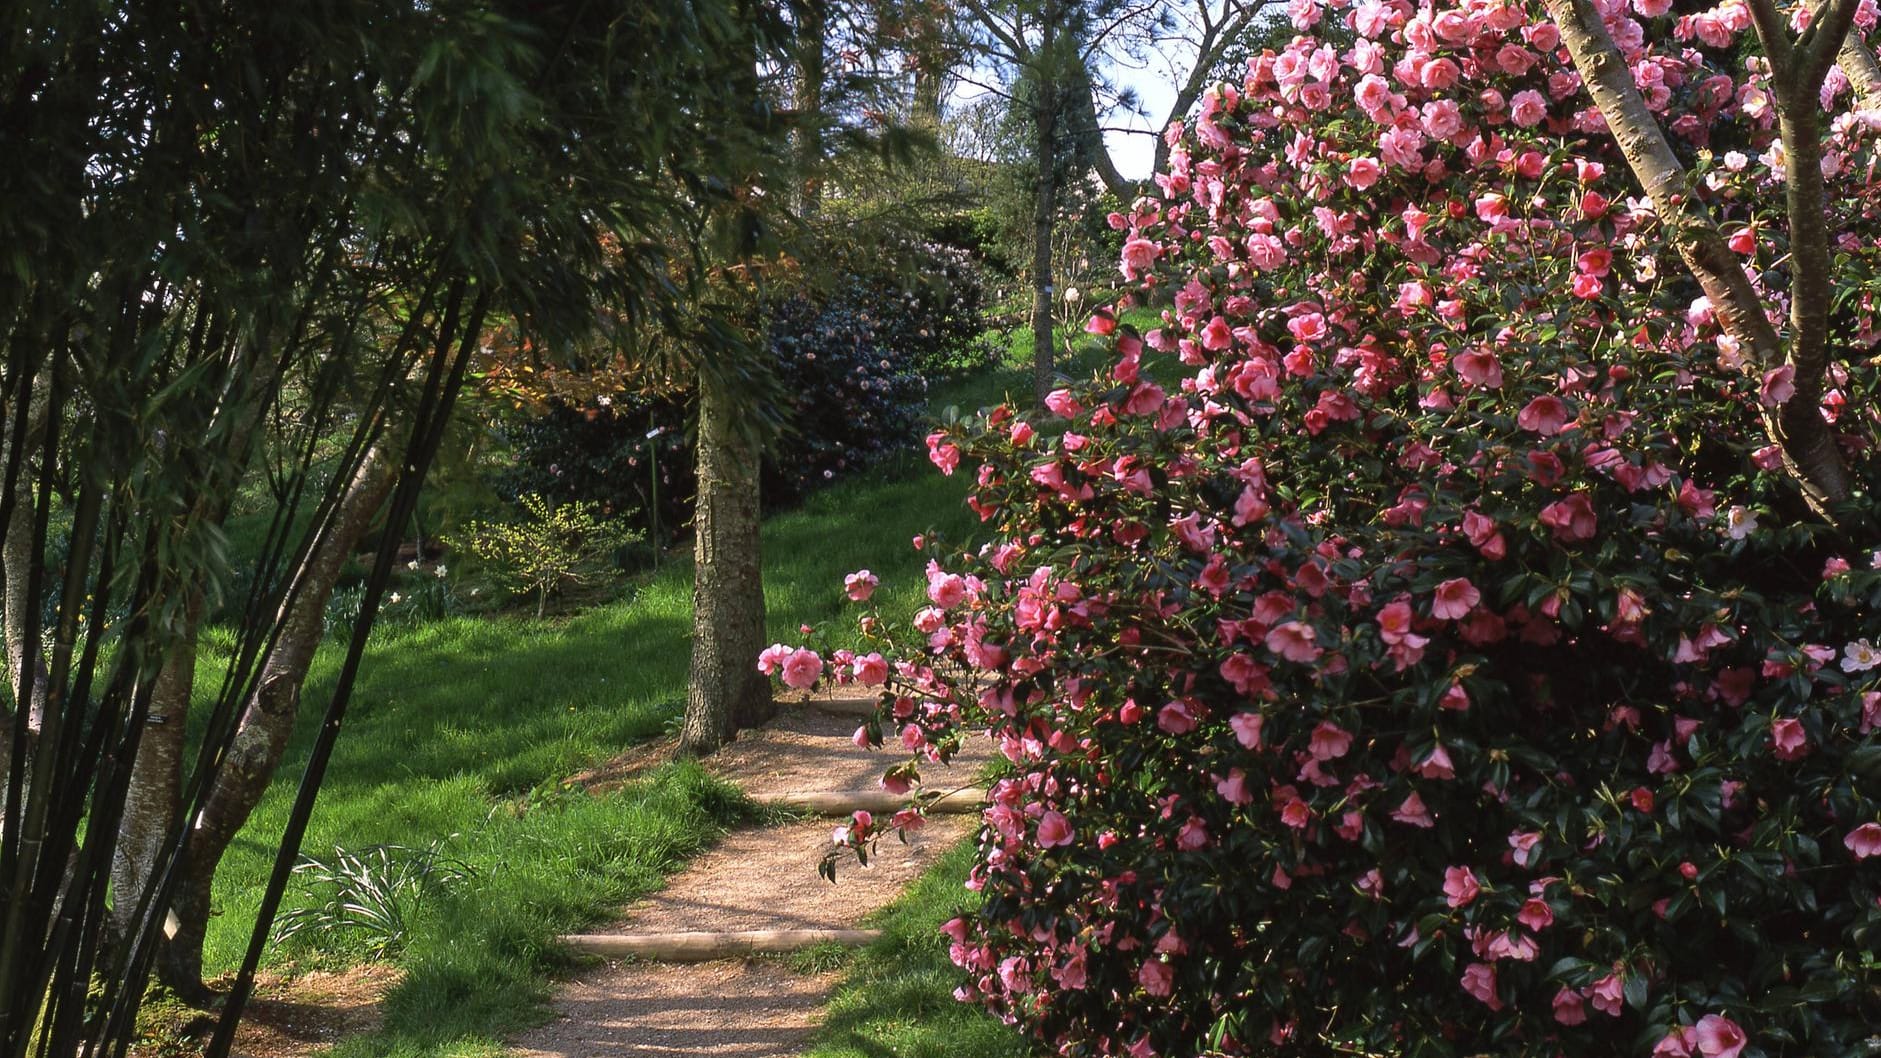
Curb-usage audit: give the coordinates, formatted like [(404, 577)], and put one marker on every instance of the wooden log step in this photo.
[(701, 946), (843, 802), (845, 706)]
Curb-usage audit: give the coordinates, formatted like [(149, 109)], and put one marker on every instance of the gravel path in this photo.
[(755, 879)]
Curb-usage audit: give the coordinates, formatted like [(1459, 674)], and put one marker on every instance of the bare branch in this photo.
[(1823, 39), (1010, 37)]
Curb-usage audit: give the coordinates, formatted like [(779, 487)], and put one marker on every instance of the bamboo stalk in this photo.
[(701, 946)]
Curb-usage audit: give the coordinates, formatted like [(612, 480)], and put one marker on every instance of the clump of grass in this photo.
[(820, 958)]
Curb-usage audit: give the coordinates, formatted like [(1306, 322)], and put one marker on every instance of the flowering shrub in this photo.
[(1415, 645)]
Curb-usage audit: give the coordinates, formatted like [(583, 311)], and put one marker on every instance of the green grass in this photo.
[(896, 997), (465, 727)]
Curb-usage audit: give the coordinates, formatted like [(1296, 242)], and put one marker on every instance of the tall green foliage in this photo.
[(214, 212)]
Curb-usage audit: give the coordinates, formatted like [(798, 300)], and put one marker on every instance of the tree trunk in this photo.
[(725, 691), (267, 720), (1044, 210), (1808, 445), (153, 800), (1089, 137), (929, 51), (17, 557), (809, 105)]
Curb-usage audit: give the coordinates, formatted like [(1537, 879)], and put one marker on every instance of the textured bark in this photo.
[(1088, 134), (153, 799), (725, 691), (811, 74), (17, 556), (1044, 207), (1808, 445), (266, 721), (1864, 73)]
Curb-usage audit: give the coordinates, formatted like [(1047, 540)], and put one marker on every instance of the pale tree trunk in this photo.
[(1797, 69), (153, 795), (17, 558), (725, 691), (1044, 206), (267, 720), (153, 798)]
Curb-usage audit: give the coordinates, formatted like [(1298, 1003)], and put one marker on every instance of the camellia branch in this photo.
[(1864, 73), (1808, 446)]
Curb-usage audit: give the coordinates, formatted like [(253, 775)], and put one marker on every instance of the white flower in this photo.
[(1740, 522), (396, 599), (440, 572), (1860, 656), (413, 564)]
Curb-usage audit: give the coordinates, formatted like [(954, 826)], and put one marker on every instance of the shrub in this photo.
[(372, 896), (853, 363), (1415, 645), (548, 548)]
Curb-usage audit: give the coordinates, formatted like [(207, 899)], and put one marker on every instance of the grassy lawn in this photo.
[(464, 728), (896, 997)]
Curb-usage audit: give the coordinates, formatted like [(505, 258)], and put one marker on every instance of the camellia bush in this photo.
[(1442, 634)]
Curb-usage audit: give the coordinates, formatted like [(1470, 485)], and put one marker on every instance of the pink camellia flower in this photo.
[(1460, 886), (1864, 841), (802, 668), (1414, 813), (1060, 402), (773, 658), (1294, 641), (1054, 829), (1572, 518), (870, 670), (1524, 844), (1479, 368), (860, 585), (1233, 788), (1546, 415), (1138, 255), (1528, 108), (1176, 717), (1719, 1037), (1437, 765), (1479, 980), (1779, 385), (1607, 994), (1676, 1044), (1455, 599), (946, 590), (942, 453), (1568, 1007), (1535, 914), (1156, 978), (1247, 729), (1362, 172), (1788, 739), (1329, 741), (1194, 835), (861, 823)]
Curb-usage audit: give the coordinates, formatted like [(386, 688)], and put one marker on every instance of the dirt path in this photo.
[(756, 879)]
